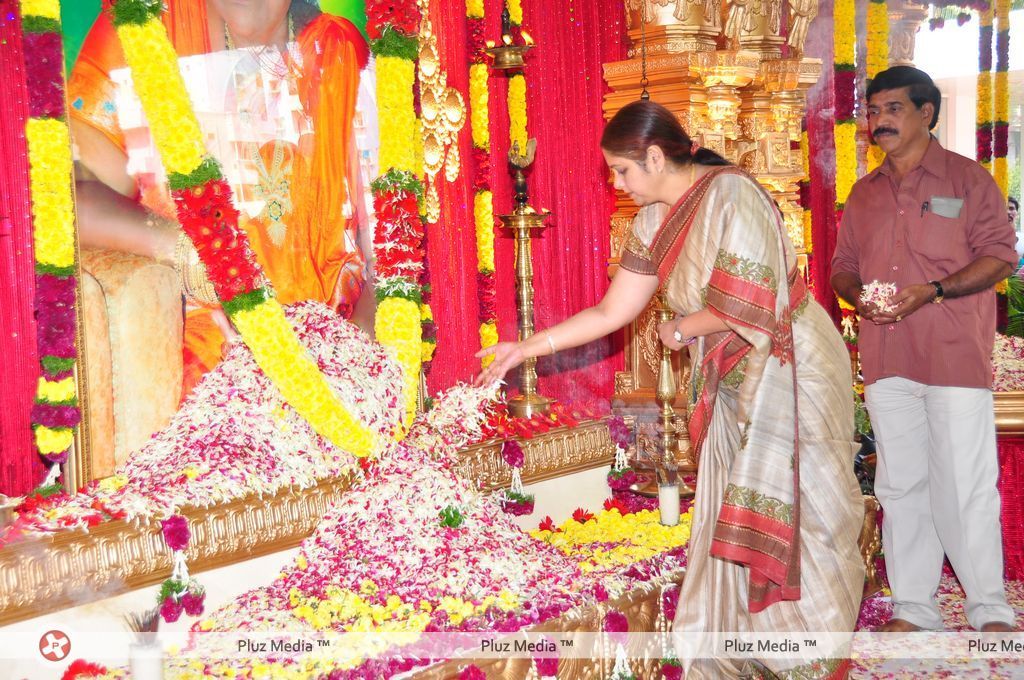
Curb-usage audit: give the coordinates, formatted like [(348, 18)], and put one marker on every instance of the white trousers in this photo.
[(936, 481)]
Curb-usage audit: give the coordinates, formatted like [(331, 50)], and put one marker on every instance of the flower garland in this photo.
[(517, 89), (805, 189), (483, 199), (1002, 97), (983, 110), (179, 593), (209, 217), (845, 129), (877, 59), (514, 500), (55, 412), (398, 244)]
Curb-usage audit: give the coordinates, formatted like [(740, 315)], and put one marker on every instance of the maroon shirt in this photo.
[(899, 234)]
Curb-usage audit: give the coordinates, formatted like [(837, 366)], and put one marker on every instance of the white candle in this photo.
[(668, 504)]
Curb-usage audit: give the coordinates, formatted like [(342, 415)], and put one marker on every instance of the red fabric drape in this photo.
[(565, 85), (20, 466), (822, 148), (1011, 491)]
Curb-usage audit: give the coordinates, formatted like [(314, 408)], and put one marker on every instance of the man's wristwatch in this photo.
[(938, 292)]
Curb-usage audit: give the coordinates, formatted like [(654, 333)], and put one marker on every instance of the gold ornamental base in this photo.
[(526, 405)]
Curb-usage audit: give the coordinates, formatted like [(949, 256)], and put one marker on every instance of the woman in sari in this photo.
[(778, 510), (295, 168)]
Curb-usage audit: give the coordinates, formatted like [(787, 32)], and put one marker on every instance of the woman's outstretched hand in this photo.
[(507, 355)]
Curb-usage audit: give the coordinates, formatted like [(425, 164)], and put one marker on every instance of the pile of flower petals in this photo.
[(1008, 364), (235, 435)]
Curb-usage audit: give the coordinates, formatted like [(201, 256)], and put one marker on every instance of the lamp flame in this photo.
[(527, 38)]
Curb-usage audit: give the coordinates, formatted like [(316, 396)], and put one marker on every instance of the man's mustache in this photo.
[(883, 131)]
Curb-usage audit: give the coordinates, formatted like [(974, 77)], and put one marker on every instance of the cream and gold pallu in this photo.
[(778, 509)]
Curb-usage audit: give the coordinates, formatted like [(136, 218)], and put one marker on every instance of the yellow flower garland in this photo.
[(488, 337), (1001, 98), (395, 79), (398, 328), (877, 60), (844, 16), (53, 440), (479, 118), (517, 111), (475, 9), (515, 11), (483, 219), (846, 159), (263, 327), (56, 391), (983, 103), (805, 153), (47, 9), (53, 208)]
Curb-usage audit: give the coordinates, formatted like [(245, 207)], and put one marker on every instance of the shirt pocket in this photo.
[(941, 241)]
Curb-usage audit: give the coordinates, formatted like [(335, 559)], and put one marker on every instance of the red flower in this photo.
[(616, 504), (176, 533), (171, 609), (402, 15), (192, 602), (80, 669), (548, 524), (512, 453), (670, 671), (616, 622), (547, 667), (582, 516), (472, 673)]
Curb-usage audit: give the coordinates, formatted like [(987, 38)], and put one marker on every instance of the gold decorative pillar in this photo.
[(755, 25), (904, 22), (674, 25)]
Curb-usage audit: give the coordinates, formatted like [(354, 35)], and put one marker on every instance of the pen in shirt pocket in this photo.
[(925, 207)]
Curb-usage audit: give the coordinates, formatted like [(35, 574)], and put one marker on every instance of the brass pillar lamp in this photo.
[(523, 221)]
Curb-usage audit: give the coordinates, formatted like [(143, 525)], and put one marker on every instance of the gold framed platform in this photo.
[(642, 607), (72, 568), (1009, 412)]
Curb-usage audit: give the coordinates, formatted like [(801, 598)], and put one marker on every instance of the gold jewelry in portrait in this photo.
[(192, 273)]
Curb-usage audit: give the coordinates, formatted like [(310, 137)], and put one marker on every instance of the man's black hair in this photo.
[(920, 88)]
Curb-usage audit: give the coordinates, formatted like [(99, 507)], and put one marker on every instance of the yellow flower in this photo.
[(278, 352), (846, 159), (395, 79), (1000, 287), (426, 313), (878, 38), (483, 220), (55, 390), (844, 13), (301, 563), (53, 440), (158, 83), (113, 483), (808, 222), (50, 165), (875, 156), (1001, 96), (427, 351), (475, 9), (479, 116), (517, 111), (48, 9), (398, 328), (1001, 174), (515, 11), (488, 337), (843, 304)]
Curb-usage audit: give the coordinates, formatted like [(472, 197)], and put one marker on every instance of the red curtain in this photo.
[(822, 147), (565, 85), (20, 466), (1011, 491)]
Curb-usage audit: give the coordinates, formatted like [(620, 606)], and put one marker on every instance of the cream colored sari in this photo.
[(778, 508)]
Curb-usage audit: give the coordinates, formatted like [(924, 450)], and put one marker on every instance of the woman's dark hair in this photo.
[(641, 124), (920, 87), (1013, 199), (303, 12)]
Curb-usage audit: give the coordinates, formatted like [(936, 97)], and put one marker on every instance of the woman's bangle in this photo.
[(551, 341)]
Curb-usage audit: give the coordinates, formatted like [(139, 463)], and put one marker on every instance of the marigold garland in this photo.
[(845, 129), (398, 243), (483, 199), (207, 214), (517, 111), (983, 110), (805, 189), (877, 59), (55, 412), (1001, 97)]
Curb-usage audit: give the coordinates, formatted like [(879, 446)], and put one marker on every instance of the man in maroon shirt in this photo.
[(933, 223)]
